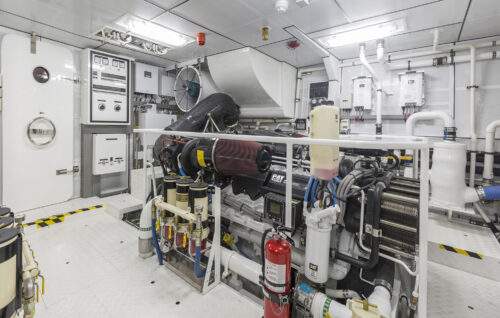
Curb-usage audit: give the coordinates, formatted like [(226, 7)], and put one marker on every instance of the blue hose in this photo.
[(181, 171), (197, 262), (308, 190), (314, 188), (492, 193), (155, 242)]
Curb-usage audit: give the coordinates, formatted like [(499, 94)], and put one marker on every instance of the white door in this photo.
[(37, 89)]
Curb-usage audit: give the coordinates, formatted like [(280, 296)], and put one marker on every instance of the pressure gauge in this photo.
[(41, 74)]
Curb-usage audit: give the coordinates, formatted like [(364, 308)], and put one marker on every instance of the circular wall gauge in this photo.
[(41, 74), (41, 131)]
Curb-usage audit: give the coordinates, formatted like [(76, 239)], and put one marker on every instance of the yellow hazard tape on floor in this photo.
[(59, 218), (460, 251)]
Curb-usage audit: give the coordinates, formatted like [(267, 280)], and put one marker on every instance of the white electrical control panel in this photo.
[(109, 153), (105, 88), (362, 92), (146, 79), (411, 89), (345, 102)]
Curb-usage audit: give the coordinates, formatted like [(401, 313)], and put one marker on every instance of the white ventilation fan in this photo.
[(191, 86)]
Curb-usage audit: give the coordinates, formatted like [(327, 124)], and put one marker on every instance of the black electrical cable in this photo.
[(374, 253)]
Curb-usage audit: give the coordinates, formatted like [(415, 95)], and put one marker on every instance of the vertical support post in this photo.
[(423, 226), (215, 249), (144, 167), (289, 176)]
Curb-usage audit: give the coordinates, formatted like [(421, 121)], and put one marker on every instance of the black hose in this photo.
[(374, 253)]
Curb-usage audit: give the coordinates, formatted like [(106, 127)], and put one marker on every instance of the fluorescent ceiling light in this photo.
[(364, 34), (152, 31)]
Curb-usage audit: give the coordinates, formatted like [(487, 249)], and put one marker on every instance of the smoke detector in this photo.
[(281, 5)]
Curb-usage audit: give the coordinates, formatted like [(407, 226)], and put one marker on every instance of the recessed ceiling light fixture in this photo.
[(364, 34), (153, 31)]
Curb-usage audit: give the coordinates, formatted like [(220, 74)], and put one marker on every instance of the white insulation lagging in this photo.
[(412, 121), (145, 220), (489, 150), (244, 267)]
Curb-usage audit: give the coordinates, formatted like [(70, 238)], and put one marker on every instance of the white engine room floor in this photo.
[(92, 269)]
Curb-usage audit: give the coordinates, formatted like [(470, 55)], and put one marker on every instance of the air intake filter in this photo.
[(225, 157), (240, 158)]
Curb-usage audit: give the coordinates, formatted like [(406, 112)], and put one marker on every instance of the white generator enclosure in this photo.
[(37, 124), (110, 153), (261, 85), (105, 82)]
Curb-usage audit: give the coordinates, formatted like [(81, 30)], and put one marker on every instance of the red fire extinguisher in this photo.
[(276, 275)]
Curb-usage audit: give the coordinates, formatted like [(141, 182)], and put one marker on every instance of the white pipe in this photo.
[(413, 119), (379, 105), (472, 117), (416, 117), (241, 265), (435, 41), (428, 62), (382, 298), (443, 49), (489, 150), (351, 141), (145, 222), (335, 309), (342, 293), (364, 61), (175, 210)]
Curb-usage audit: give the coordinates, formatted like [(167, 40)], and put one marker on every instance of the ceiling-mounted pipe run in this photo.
[(378, 79)]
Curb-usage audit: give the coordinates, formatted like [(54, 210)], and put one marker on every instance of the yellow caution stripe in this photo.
[(59, 218), (460, 251)]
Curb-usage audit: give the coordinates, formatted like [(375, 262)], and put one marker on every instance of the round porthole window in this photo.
[(41, 131), (41, 74)]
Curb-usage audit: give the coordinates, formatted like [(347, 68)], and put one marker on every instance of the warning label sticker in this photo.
[(275, 276)]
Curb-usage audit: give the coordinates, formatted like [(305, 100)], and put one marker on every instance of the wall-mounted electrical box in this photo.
[(109, 153), (411, 89), (345, 102), (105, 89), (166, 85), (146, 79), (362, 92)]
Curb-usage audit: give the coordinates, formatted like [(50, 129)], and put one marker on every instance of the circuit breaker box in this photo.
[(411, 89), (105, 89), (109, 153), (146, 79), (362, 92)]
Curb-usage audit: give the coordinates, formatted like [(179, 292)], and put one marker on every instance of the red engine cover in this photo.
[(277, 276)]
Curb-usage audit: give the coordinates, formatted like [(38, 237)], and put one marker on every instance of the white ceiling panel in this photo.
[(362, 9), (301, 56), (83, 17), (58, 35), (250, 34), (214, 44), (219, 15), (437, 14), (482, 20), (166, 4), (320, 14), (178, 24), (401, 42), (139, 56)]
